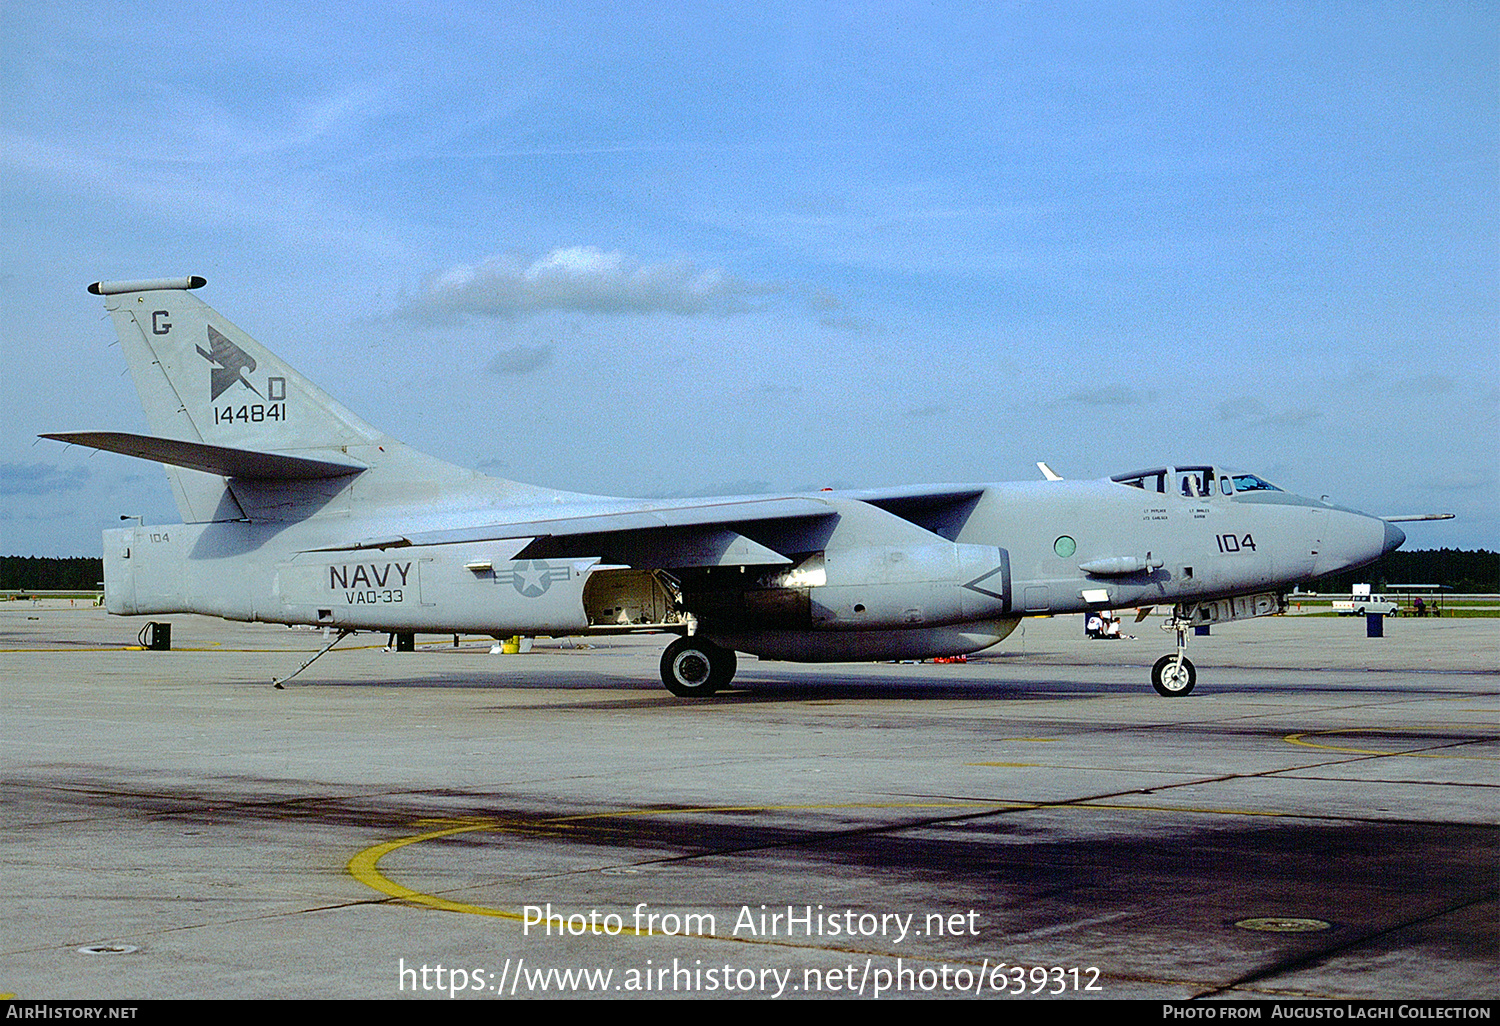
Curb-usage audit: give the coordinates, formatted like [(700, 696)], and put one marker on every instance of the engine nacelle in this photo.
[(870, 588), (824, 646)]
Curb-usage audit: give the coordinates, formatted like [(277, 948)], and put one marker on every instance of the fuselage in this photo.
[(298, 511), (908, 571)]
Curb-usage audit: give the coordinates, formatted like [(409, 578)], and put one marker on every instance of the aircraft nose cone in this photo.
[(1394, 536)]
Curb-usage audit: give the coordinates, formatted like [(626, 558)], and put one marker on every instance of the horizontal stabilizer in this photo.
[(211, 459)]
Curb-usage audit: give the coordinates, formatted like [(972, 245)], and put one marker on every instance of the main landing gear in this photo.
[(1173, 675), (694, 667)]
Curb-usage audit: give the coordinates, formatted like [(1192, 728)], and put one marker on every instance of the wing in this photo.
[(941, 509), (735, 532), (745, 531)]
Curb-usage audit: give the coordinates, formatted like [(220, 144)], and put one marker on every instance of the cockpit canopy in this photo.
[(1195, 482)]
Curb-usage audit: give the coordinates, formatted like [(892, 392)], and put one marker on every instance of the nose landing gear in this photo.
[(1173, 676)]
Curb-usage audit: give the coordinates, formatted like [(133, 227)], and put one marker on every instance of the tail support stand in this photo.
[(278, 682)]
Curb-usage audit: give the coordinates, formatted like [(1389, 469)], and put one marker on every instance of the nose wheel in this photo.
[(1173, 676)]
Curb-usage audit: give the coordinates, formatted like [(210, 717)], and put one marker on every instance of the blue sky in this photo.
[(676, 249)]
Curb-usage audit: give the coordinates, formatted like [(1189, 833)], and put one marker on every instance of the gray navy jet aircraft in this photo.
[(296, 511)]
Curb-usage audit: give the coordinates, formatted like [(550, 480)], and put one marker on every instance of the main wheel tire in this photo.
[(724, 664), (1169, 681), (695, 667)]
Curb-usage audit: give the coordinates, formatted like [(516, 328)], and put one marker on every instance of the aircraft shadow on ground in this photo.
[(759, 685)]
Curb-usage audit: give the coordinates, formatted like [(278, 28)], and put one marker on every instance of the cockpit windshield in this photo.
[(1149, 480), (1195, 482), (1251, 483)]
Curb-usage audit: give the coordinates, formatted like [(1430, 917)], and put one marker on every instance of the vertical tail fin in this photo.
[(201, 379)]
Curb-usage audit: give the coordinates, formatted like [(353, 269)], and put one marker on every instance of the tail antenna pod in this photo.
[(113, 288)]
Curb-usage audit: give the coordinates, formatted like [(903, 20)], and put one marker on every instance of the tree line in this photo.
[(40, 573), (1459, 570)]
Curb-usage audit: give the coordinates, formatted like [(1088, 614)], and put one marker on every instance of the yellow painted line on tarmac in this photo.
[(1193, 809), (828, 807), (1298, 739), (71, 649), (218, 647), (59, 650), (365, 866)]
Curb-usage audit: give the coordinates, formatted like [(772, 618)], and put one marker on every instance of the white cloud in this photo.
[(39, 479), (1464, 480), (1252, 410), (520, 360), (583, 279), (1426, 384), (1112, 395)]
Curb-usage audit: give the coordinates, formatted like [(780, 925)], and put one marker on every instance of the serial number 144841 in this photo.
[(250, 414)]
